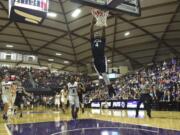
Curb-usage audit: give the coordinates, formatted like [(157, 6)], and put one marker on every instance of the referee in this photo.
[(146, 99)]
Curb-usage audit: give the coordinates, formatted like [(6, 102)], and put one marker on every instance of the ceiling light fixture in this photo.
[(50, 59), (9, 46), (66, 62), (76, 13), (127, 33), (109, 60), (58, 54), (51, 14)]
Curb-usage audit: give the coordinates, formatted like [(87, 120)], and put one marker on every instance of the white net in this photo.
[(101, 17)]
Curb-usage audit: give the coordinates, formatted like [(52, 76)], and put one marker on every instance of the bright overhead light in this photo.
[(51, 14), (127, 33), (66, 62), (76, 12), (109, 60), (50, 59), (9, 46), (58, 54)]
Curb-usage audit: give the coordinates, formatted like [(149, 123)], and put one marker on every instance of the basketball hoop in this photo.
[(101, 17)]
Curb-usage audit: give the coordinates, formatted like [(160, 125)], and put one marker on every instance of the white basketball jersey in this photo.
[(63, 94), (6, 87), (57, 97), (72, 88)]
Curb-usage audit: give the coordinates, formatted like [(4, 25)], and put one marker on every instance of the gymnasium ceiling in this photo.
[(154, 36)]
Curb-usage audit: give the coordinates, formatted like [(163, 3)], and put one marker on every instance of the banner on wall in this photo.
[(116, 104)]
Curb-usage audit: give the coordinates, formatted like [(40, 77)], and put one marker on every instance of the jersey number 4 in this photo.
[(73, 90), (96, 44)]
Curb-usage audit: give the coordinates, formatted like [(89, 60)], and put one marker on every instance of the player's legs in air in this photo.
[(100, 66)]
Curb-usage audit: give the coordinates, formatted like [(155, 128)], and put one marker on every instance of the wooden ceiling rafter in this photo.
[(164, 33), (174, 51), (74, 36), (22, 33), (114, 39), (69, 33)]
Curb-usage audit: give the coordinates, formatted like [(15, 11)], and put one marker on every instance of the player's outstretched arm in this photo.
[(104, 33), (82, 87), (26, 93), (67, 92), (92, 28)]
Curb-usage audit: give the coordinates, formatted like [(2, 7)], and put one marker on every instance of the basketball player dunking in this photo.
[(73, 97), (98, 44)]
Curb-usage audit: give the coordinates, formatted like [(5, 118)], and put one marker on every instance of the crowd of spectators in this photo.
[(41, 83), (41, 78), (161, 80), (21, 73), (54, 80)]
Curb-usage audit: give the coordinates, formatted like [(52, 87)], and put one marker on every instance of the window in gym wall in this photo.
[(30, 59), (8, 56)]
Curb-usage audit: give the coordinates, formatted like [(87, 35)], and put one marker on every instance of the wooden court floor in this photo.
[(160, 119)]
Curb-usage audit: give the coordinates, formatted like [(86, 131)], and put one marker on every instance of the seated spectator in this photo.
[(167, 97), (178, 96)]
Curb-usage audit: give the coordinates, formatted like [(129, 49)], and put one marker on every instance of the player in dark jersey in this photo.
[(97, 45), (20, 93), (81, 91)]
